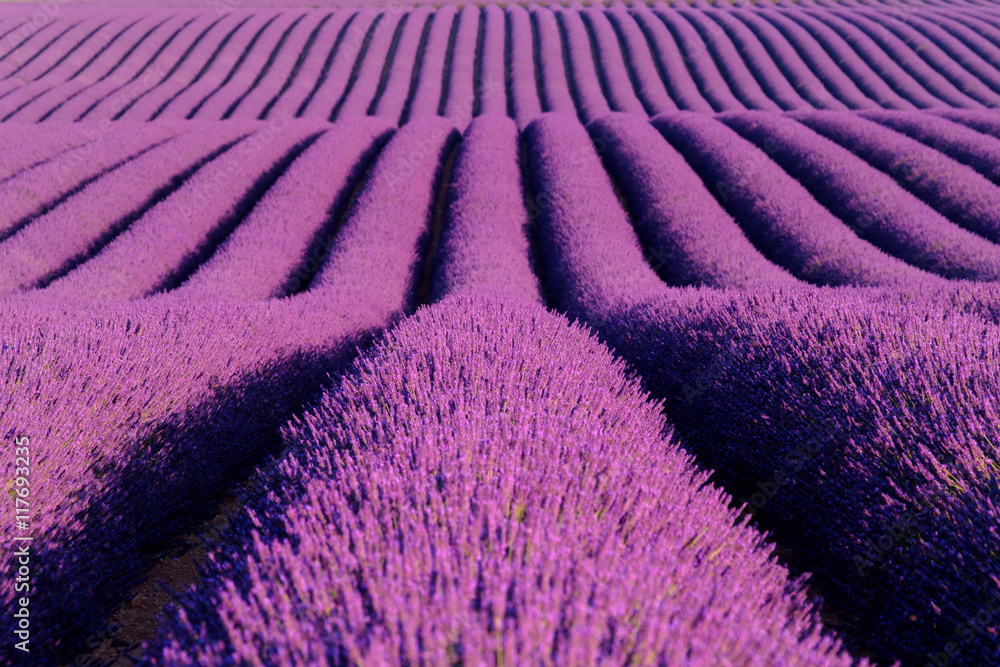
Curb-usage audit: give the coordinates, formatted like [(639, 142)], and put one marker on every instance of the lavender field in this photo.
[(507, 334)]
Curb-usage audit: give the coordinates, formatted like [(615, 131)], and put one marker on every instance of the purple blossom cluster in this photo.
[(156, 410), (488, 484), (855, 434)]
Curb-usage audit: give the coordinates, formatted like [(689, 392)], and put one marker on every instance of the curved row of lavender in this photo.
[(260, 63), (849, 421), (52, 244), (955, 190), (872, 202), (484, 245), (282, 242), (689, 237), (162, 404), (775, 210), (487, 484)]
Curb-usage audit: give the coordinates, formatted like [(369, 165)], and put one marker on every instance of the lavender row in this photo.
[(364, 83), (493, 64), (37, 48), (956, 191), (900, 65), (311, 67), (945, 52), (770, 209), (70, 233), (882, 500), (688, 236), (568, 183), (971, 33), (649, 85), (776, 212), (346, 54), (281, 244), (694, 52), (419, 495), (731, 64), (615, 73), (459, 100), (188, 63), (41, 99), (526, 98), (862, 76), (395, 90), (477, 257), (21, 87), (553, 83), (880, 507), (250, 69), (277, 74), (830, 74), (168, 241), (760, 65), (170, 376), (819, 87), (428, 94), (32, 191), (869, 201), (26, 150), (962, 144), (205, 97), (140, 416), (396, 209), (670, 62), (106, 97), (584, 82)]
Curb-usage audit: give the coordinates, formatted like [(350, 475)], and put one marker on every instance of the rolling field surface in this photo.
[(650, 334)]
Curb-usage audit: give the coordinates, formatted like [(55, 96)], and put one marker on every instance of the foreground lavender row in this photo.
[(479, 519), (88, 63)]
